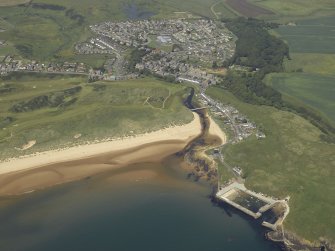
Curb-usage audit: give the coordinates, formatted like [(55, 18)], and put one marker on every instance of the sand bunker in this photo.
[(30, 144)]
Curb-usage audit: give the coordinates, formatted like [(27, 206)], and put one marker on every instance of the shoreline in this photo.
[(42, 170), (183, 133)]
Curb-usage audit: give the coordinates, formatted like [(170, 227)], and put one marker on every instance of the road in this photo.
[(213, 11), (235, 128)]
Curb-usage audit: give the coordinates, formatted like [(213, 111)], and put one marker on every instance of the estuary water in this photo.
[(150, 206)]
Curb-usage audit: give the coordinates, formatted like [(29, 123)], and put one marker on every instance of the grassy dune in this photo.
[(290, 161), (99, 110)]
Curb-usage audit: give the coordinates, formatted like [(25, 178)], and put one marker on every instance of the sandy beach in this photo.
[(215, 130), (28, 173)]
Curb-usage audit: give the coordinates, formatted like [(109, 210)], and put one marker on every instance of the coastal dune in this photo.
[(28, 173)]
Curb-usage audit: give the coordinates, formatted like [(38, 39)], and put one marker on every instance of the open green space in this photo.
[(296, 9), (53, 109), (41, 34), (12, 2), (316, 63), (317, 91), (310, 36), (290, 161), (221, 10)]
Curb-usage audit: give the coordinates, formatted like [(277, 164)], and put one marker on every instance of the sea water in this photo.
[(141, 207)]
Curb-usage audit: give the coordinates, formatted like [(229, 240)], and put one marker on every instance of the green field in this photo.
[(291, 160), (98, 110), (310, 36), (296, 9), (41, 34), (316, 91), (315, 63), (223, 11), (311, 43)]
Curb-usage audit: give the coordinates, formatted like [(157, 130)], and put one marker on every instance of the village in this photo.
[(12, 64), (241, 127), (178, 49)]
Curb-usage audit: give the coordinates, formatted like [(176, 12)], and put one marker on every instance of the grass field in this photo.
[(292, 161), (317, 91), (247, 9), (41, 34), (221, 10), (12, 2), (315, 63), (311, 43), (98, 110), (310, 36), (296, 9)]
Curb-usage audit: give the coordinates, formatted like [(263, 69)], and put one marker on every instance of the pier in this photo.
[(251, 203)]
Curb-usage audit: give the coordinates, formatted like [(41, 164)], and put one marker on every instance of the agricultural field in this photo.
[(55, 111), (316, 91), (12, 2), (288, 10), (221, 10), (309, 76), (247, 9), (315, 63), (310, 36), (290, 161)]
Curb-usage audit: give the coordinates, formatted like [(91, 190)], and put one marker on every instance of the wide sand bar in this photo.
[(28, 173)]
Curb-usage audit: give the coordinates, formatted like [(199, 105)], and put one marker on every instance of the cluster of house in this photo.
[(10, 64), (240, 125), (191, 43), (99, 45), (206, 39), (173, 64)]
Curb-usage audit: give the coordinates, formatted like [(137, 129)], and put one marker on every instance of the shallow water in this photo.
[(140, 207)]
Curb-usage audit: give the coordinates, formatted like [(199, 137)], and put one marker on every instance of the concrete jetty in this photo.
[(229, 192)]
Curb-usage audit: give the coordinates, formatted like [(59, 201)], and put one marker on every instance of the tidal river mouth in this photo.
[(141, 207), (145, 206)]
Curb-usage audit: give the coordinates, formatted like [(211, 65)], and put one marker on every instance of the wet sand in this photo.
[(43, 170), (45, 176), (215, 130)]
